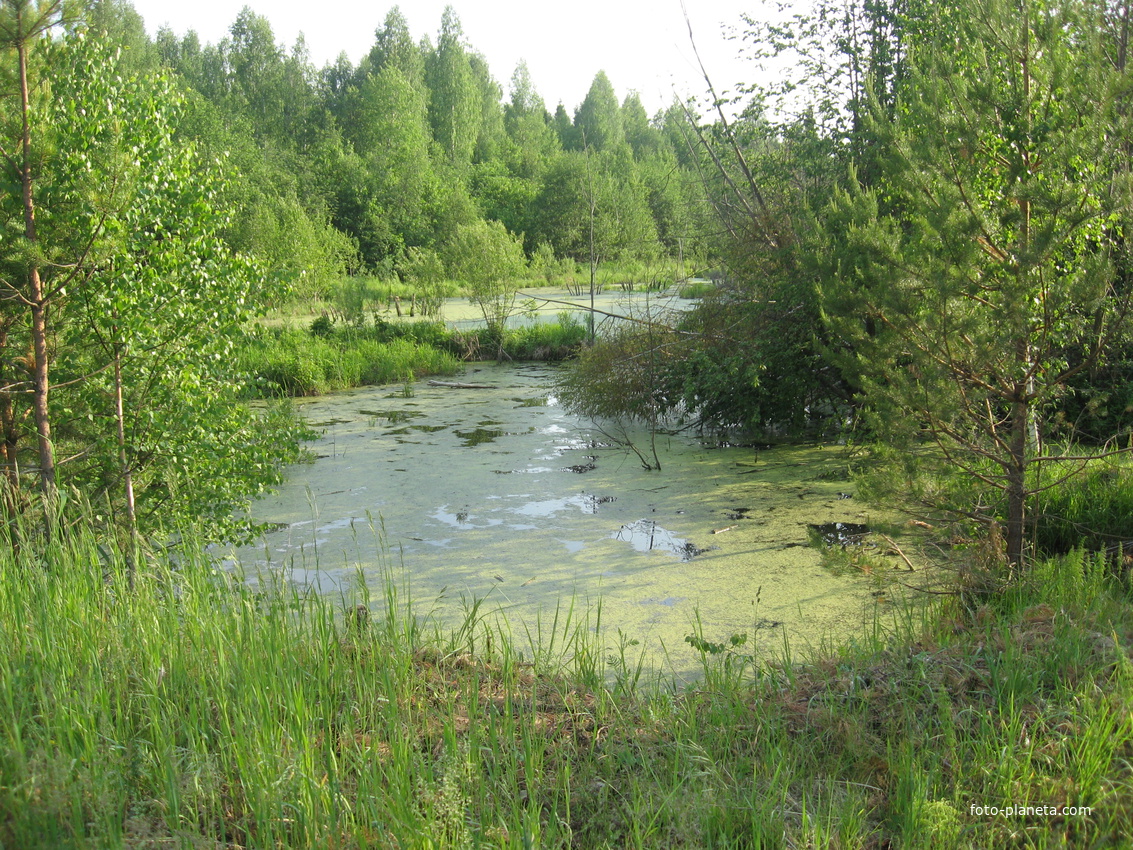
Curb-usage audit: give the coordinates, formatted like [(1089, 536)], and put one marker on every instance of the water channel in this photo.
[(498, 494)]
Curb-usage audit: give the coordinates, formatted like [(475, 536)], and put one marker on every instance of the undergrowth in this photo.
[(193, 710)]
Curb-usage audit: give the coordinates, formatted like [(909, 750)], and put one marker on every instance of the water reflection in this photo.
[(645, 535)]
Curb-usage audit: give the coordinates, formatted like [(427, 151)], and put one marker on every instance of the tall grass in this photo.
[(333, 355), (194, 711), (297, 362), (1074, 503), (1093, 508)]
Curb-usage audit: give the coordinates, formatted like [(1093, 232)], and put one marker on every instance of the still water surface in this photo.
[(499, 494)]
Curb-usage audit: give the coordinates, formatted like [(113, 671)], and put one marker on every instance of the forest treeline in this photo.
[(366, 168)]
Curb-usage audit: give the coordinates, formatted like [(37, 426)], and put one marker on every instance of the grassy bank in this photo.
[(330, 355), (194, 712), (297, 362)]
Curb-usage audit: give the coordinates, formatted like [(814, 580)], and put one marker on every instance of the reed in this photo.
[(295, 362)]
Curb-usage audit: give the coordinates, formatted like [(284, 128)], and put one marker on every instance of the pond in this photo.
[(498, 494)]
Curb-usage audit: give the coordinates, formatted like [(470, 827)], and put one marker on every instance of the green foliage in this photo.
[(455, 107), (323, 326), (1090, 509), (424, 269), (751, 362), (545, 341), (355, 167), (490, 261), (620, 380), (595, 207), (977, 279), (697, 289), (293, 363), (619, 377), (305, 253), (598, 120), (146, 300)]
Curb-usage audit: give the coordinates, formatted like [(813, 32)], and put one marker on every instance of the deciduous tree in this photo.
[(490, 261)]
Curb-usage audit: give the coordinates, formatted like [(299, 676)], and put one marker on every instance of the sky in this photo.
[(642, 45)]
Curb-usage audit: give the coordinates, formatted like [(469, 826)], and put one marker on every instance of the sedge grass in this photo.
[(299, 363), (196, 710)]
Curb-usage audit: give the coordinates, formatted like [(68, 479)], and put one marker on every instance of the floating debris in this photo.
[(394, 417), (591, 503), (455, 385), (841, 533)]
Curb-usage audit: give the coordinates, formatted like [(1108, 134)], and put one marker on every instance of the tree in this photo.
[(643, 138), (598, 119), (24, 35), (455, 110), (424, 268), (394, 46), (145, 298), (620, 381), (832, 58), (393, 139), (977, 280), (595, 206), (534, 141), (489, 260)]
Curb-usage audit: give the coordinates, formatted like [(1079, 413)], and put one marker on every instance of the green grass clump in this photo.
[(295, 362), (1092, 508), (556, 340), (697, 289), (1080, 497), (331, 355), (194, 710)]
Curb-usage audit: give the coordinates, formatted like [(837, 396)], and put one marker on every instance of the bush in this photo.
[(323, 326)]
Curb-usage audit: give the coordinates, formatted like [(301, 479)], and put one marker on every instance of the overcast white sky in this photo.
[(642, 45)]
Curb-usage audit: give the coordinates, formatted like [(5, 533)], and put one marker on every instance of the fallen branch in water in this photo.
[(459, 386), (897, 549)]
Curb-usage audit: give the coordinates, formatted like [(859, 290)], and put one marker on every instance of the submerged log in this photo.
[(456, 385)]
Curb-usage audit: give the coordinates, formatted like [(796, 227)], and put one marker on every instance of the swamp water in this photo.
[(498, 494)]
